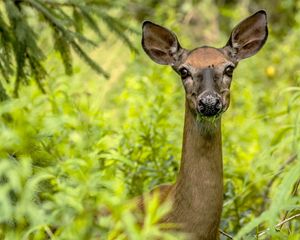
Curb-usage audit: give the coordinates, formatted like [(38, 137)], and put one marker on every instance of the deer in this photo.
[(206, 75)]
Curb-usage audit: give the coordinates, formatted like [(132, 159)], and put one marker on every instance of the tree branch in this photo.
[(278, 225), (225, 234), (61, 4), (290, 160), (294, 193)]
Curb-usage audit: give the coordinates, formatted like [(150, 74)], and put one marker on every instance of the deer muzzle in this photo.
[(209, 104)]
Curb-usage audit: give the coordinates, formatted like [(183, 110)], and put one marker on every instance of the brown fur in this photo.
[(206, 56), (198, 193), (206, 73)]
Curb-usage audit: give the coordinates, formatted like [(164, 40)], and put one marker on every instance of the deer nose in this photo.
[(209, 104)]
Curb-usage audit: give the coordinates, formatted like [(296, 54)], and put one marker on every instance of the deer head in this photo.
[(206, 72)]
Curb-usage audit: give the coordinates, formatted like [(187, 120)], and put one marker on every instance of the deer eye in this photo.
[(184, 72), (228, 71)]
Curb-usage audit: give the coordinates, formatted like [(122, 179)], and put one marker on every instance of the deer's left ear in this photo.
[(248, 37)]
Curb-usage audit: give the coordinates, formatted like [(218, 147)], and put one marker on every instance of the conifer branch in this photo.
[(21, 56)]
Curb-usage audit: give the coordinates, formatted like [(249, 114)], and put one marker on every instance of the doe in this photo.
[(206, 73)]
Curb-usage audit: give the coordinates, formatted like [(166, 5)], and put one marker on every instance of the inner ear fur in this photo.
[(248, 37), (160, 44)]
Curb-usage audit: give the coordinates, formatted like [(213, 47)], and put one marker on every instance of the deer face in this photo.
[(206, 76), (206, 72)]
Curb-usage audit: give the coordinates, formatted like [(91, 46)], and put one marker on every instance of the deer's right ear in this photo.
[(160, 44)]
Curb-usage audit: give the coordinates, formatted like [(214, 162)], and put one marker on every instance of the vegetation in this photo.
[(88, 145), (66, 20)]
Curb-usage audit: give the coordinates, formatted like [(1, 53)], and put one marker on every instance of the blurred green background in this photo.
[(90, 143)]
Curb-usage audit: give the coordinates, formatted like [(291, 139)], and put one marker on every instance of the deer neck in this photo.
[(199, 188)]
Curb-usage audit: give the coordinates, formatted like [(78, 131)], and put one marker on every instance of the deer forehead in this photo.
[(206, 57)]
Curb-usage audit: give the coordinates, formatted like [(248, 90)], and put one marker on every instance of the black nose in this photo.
[(209, 105)]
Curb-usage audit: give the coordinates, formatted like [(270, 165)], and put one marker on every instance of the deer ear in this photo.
[(160, 44), (248, 36)]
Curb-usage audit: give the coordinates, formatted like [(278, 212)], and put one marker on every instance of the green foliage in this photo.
[(19, 35), (71, 160)]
